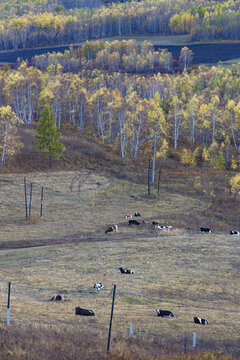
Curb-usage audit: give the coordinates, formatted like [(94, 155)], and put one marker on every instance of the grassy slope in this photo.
[(190, 274)]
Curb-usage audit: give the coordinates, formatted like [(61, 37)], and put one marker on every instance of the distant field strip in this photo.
[(204, 53)]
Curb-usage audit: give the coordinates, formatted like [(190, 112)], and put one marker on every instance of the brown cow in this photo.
[(128, 216), (111, 228)]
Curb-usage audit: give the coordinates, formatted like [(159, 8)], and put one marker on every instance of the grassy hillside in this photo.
[(181, 270), (91, 177)]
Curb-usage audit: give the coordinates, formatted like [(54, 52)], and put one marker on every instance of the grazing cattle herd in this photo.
[(157, 226), (98, 286)]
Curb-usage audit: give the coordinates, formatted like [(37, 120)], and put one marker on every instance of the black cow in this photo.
[(233, 232), (125, 271), (201, 321), (154, 223), (84, 312), (205, 230), (133, 222), (137, 214), (164, 313)]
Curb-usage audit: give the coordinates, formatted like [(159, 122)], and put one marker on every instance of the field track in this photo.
[(97, 236)]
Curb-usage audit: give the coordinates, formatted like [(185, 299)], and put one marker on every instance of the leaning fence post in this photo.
[(8, 304), (41, 202), (30, 201), (110, 325), (25, 188), (185, 344), (131, 330), (194, 340)]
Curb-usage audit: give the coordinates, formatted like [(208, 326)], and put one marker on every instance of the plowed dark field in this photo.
[(203, 53), (207, 53)]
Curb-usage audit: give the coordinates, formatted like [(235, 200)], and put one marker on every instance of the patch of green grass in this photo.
[(155, 39)]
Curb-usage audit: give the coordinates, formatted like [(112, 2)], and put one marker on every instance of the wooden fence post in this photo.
[(25, 188), (30, 201), (41, 202), (110, 325), (185, 344), (8, 304)]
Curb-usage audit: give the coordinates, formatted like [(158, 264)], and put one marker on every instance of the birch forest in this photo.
[(36, 23), (194, 113)]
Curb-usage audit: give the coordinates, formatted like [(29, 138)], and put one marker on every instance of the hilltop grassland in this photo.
[(67, 251), (78, 204), (193, 275), (182, 270)]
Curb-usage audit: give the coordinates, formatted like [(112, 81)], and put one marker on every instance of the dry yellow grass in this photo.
[(190, 274), (80, 202)]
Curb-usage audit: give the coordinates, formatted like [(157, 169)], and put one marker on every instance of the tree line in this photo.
[(185, 111), (59, 25), (124, 56)]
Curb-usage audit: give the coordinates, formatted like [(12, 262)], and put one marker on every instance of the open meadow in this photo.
[(187, 272)]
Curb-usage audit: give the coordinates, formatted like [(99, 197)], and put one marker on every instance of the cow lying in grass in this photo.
[(164, 313), (111, 228), (84, 312), (57, 298), (233, 232), (98, 286), (133, 222), (205, 230), (137, 214), (163, 227), (125, 271), (201, 321)]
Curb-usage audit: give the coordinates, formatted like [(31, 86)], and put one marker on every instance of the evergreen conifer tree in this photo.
[(48, 137)]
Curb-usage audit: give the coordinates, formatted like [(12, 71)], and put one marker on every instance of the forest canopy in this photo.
[(28, 24), (199, 109)]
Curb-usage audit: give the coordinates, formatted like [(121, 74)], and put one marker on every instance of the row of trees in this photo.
[(211, 20), (200, 108), (124, 56), (12, 8)]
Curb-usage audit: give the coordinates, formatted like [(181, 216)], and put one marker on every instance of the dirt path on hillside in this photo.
[(86, 237), (97, 236)]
